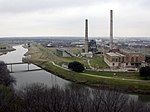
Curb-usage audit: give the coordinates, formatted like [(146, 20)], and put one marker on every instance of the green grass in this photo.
[(3, 46), (94, 80), (76, 50), (98, 62), (126, 75), (42, 57), (50, 55)]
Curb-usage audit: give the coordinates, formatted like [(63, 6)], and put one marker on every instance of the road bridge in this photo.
[(20, 63)]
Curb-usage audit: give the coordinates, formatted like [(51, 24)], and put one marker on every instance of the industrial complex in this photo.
[(115, 58)]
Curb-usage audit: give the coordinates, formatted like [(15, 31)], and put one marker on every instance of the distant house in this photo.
[(88, 55), (77, 44), (49, 45), (63, 53)]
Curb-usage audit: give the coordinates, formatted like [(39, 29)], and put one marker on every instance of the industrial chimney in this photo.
[(111, 29), (86, 37)]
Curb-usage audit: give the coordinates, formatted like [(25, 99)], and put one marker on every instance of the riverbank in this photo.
[(39, 58), (4, 49)]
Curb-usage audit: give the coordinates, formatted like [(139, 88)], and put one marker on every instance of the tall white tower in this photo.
[(86, 47), (111, 29)]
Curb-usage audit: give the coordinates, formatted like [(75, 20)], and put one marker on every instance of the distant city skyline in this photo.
[(66, 18)]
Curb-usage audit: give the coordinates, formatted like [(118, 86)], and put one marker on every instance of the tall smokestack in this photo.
[(86, 37), (111, 29)]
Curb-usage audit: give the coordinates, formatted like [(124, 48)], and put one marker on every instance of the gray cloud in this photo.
[(66, 17), (18, 6)]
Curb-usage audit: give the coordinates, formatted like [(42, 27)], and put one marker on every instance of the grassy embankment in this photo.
[(126, 81), (123, 75), (98, 62), (2, 45), (50, 54), (4, 48)]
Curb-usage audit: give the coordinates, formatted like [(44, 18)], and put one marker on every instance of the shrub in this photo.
[(145, 71), (76, 66), (7, 99)]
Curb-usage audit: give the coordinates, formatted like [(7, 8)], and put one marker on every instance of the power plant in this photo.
[(115, 58)]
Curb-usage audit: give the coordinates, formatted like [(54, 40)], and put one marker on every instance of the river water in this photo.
[(41, 76), (25, 78)]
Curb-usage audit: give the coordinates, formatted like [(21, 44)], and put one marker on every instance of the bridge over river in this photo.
[(26, 69)]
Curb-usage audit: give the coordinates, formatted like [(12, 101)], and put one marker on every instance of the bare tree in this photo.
[(109, 101), (137, 106), (40, 98), (77, 99)]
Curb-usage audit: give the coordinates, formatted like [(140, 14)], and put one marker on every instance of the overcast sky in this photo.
[(66, 17)]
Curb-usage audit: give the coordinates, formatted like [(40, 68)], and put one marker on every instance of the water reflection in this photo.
[(14, 56), (42, 76)]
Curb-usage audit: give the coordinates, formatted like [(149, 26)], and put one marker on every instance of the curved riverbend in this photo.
[(24, 78)]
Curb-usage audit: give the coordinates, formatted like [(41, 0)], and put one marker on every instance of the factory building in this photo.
[(133, 59), (117, 58), (124, 59)]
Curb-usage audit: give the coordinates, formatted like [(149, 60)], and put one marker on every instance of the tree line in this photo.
[(40, 98)]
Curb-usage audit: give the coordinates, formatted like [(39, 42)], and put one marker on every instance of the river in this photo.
[(41, 76), (25, 78)]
